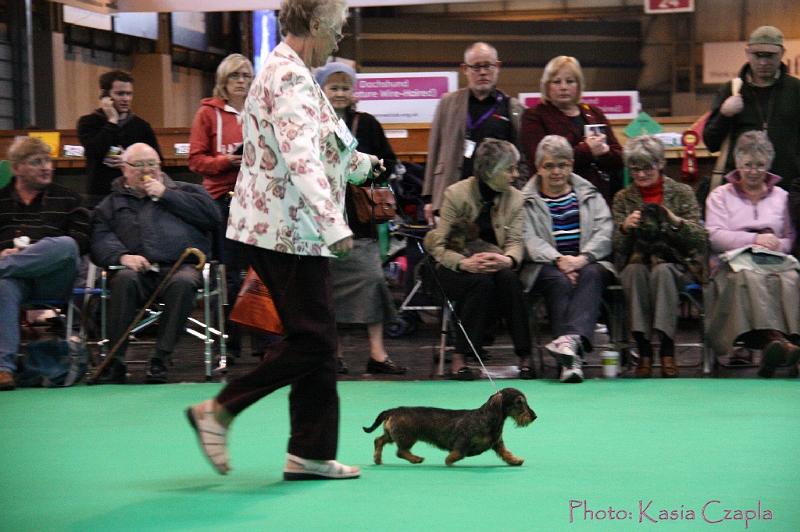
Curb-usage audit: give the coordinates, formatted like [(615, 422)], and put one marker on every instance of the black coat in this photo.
[(125, 224), (97, 135)]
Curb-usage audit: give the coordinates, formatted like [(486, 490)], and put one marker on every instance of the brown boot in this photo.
[(645, 368), (6, 381), (668, 368)]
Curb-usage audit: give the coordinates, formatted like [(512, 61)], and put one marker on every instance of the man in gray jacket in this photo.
[(463, 119), (145, 224)]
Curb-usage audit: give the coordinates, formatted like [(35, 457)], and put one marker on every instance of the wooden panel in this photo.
[(413, 146)]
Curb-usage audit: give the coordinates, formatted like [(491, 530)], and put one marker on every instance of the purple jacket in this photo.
[(733, 221)]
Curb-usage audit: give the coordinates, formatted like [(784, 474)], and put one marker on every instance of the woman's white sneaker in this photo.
[(303, 469)]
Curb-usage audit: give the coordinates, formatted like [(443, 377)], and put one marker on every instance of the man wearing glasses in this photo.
[(463, 119), (769, 101), (145, 224), (43, 230), (107, 131)]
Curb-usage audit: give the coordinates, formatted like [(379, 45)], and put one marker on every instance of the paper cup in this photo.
[(610, 364)]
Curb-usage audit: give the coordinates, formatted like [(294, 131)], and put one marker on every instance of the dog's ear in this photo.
[(496, 401)]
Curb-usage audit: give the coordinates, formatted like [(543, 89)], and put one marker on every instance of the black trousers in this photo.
[(480, 297), (305, 358), (130, 289)]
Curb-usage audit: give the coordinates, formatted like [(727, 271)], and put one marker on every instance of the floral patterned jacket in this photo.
[(289, 195)]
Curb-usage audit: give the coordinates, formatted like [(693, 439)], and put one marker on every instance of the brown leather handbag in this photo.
[(373, 204)]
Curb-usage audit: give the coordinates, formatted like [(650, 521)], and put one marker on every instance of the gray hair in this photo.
[(296, 15), (645, 150), (479, 44), (556, 147), (492, 154), (552, 68), (228, 66), (754, 144)]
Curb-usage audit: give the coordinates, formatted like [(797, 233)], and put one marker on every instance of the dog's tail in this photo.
[(378, 420)]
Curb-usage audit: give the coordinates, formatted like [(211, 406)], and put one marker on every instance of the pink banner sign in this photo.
[(614, 104), (408, 88)]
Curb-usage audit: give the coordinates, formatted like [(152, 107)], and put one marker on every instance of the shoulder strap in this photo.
[(725, 148), (354, 125)]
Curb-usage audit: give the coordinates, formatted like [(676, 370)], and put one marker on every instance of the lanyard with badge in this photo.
[(347, 142), (469, 144)]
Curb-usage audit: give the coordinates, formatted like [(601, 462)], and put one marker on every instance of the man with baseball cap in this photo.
[(769, 100)]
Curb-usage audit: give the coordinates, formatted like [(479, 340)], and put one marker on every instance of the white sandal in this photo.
[(211, 435), (303, 469)]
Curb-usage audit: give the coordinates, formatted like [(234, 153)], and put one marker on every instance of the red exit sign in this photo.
[(655, 7)]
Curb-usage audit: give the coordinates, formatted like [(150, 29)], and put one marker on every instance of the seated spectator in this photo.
[(652, 274), (145, 224), (360, 293), (567, 236), (755, 301), (43, 230), (485, 283), (597, 154)]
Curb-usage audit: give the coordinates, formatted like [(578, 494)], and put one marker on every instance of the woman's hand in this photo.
[(234, 160), (377, 166), (769, 241), (597, 144), (343, 247), (571, 263), (485, 263), (632, 221)]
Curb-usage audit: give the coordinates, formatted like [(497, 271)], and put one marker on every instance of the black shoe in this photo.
[(387, 367), (156, 372), (341, 367), (527, 373), (115, 373), (463, 374)]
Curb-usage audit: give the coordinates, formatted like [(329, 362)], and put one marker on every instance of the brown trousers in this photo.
[(305, 358)]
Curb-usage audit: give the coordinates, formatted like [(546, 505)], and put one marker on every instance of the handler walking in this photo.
[(288, 208)]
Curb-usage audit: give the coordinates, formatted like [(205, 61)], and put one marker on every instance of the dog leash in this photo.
[(452, 308)]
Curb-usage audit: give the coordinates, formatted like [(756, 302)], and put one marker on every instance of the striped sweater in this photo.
[(55, 212), (566, 222)]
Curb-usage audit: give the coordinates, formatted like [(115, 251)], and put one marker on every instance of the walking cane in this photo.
[(201, 260)]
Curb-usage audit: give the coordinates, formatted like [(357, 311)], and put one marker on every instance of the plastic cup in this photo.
[(610, 364)]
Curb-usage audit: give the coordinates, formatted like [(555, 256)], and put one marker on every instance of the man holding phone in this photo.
[(107, 131)]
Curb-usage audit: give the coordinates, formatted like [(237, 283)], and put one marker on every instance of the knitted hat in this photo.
[(767, 35), (322, 74)]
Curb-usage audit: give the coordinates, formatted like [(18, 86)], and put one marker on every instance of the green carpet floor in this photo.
[(124, 458)]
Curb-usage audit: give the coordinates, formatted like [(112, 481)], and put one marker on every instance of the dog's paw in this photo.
[(515, 461)]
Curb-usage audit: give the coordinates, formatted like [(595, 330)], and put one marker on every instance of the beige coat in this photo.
[(446, 143), (462, 201)]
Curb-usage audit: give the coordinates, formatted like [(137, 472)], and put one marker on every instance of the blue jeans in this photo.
[(45, 270)]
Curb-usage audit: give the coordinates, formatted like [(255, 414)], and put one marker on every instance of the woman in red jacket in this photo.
[(598, 155), (215, 153)]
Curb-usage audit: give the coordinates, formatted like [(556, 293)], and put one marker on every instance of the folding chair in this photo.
[(214, 297), (77, 303)]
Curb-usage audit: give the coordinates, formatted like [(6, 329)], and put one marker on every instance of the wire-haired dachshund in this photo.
[(461, 432)]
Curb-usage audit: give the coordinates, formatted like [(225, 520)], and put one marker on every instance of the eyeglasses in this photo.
[(489, 67), (640, 169), (236, 76), (552, 166), (39, 162), (336, 34), (760, 167), (141, 165)]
